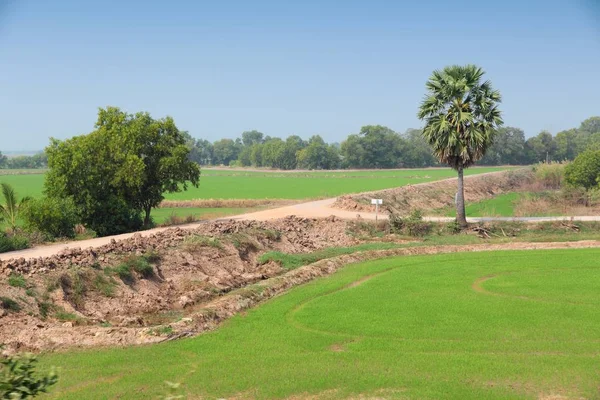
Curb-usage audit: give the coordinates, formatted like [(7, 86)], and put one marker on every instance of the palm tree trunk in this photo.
[(461, 215)]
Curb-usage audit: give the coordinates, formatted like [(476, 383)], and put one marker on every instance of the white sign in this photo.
[(377, 201)]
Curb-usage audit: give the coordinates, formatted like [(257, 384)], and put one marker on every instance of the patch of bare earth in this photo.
[(436, 195)]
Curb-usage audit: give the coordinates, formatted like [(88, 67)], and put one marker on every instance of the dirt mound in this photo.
[(436, 195), (115, 294)]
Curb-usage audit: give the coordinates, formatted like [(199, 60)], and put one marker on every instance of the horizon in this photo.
[(285, 69)]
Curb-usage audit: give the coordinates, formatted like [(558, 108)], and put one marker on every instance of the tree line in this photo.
[(374, 146)]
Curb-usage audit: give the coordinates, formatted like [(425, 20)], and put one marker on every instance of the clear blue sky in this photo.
[(311, 67)]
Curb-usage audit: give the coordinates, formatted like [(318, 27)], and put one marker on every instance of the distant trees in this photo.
[(508, 148), (120, 170), (461, 116)]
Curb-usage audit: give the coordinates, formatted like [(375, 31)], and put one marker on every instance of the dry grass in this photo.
[(224, 203)]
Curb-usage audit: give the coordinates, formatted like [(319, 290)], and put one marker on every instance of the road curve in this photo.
[(311, 209)]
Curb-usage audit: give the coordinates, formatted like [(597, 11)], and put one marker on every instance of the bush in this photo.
[(12, 242), (9, 304), (412, 225), (52, 216), (18, 380), (584, 171), (550, 175)]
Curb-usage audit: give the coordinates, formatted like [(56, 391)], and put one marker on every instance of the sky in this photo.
[(286, 67)]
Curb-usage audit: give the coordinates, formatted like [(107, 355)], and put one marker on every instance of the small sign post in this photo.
[(377, 202)]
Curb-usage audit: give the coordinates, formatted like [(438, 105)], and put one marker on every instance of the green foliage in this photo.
[(318, 155), (412, 225), (9, 304), (45, 308), (18, 378), (293, 261), (461, 115), (161, 331), (550, 175), (196, 242), (104, 285), (142, 265), (55, 217), (584, 171), (375, 146), (122, 168), (12, 207), (65, 316), (17, 280), (508, 148), (12, 242), (24, 162)]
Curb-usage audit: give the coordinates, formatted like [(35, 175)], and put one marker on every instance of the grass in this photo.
[(17, 280), (9, 304), (163, 215), (498, 325), (197, 242), (223, 184), (293, 261)]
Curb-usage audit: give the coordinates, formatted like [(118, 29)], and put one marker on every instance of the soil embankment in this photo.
[(435, 195)]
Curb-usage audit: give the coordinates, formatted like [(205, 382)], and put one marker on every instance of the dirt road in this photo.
[(312, 209)]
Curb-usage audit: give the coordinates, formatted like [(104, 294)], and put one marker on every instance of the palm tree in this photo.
[(461, 117), (9, 211)]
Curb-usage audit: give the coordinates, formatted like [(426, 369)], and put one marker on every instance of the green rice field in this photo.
[(485, 325), (224, 184)]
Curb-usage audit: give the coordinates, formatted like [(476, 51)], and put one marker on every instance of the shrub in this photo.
[(17, 280), (18, 379), (412, 225), (139, 264), (12, 242), (584, 171), (550, 175), (9, 304), (52, 216)]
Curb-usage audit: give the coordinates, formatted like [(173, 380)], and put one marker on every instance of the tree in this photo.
[(461, 116), (416, 152), (590, 125), (120, 169), (250, 138), (318, 155), (2, 160), (541, 147), (10, 210), (566, 143), (225, 151), (508, 148), (375, 146), (584, 171)]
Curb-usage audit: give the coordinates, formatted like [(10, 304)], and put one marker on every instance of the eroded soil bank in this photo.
[(176, 283)]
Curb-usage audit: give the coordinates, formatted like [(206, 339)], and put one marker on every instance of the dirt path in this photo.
[(312, 209)]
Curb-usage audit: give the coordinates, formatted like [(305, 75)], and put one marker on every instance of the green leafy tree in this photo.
[(18, 378), (225, 151), (416, 151), (318, 155), (250, 138), (461, 116), (2, 160), (375, 146), (541, 147), (590, 125), (120, 169), (584, 171), (566, 144), (508, 148), (12, 207)]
